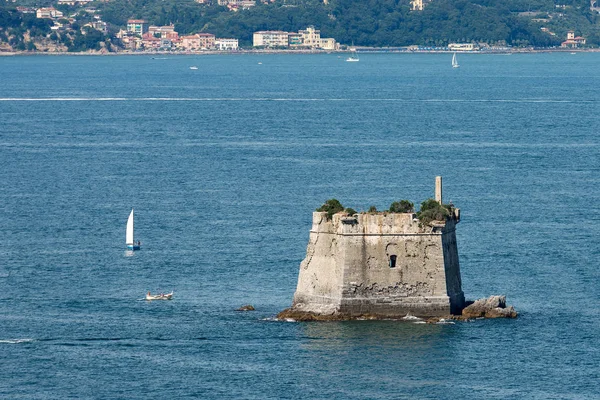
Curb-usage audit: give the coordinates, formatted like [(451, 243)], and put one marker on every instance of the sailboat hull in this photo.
[(133, 247)]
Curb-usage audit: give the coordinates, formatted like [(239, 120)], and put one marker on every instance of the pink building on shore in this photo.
[(150, 41), (199, 41)]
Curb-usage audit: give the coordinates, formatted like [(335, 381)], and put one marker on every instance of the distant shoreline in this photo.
[(361, 50)]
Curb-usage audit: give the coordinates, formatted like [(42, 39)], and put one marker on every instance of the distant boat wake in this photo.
[(265, 99), (16, 341)]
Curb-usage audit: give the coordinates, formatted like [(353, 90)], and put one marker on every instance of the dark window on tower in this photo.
[(393, 261)]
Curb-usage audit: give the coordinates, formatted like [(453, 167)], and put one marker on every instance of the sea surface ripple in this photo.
[(224, 166)]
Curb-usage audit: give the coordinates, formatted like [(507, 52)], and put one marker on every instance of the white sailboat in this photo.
[(131, 244), (353, 57), (454, 62)]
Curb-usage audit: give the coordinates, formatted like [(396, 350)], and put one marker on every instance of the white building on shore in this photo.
[(329, 44), (462, 47), (311, 37), (270, 39), (305, 38), (226, 44)]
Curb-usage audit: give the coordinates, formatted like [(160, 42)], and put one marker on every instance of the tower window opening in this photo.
[(393, 261)]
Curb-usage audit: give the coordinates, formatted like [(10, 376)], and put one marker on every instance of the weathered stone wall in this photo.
[(452, 267), (349, 267)]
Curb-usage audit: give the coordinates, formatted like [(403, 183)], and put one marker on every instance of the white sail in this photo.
[(454, 62), (129, 233)]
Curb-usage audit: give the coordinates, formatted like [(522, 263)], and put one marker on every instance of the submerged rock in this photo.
[(303, 316), (492, 307), (247, 307)]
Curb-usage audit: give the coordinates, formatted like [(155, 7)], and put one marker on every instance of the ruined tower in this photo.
[(380, 264)]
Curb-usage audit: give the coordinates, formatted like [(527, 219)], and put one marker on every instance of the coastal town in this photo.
[(141, 36), (84, 30)]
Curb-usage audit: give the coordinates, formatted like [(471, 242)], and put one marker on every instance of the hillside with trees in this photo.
[(378, 23), (25, 32)]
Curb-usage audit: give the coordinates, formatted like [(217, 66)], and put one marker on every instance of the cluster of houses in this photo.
[(60, 21), (307, 38), (234, 5), (139, 35)]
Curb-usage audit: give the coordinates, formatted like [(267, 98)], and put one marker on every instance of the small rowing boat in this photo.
[(160, 296)]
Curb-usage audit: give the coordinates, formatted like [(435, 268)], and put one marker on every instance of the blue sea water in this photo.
[(224, 166)]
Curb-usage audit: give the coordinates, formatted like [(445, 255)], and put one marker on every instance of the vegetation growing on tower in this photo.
[(402, 206), (431, 210), (331, 206)]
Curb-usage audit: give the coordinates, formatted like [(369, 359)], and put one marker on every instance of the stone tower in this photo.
[(380, 264)]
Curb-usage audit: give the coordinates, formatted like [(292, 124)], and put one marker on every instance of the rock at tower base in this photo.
[(492, 307)]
